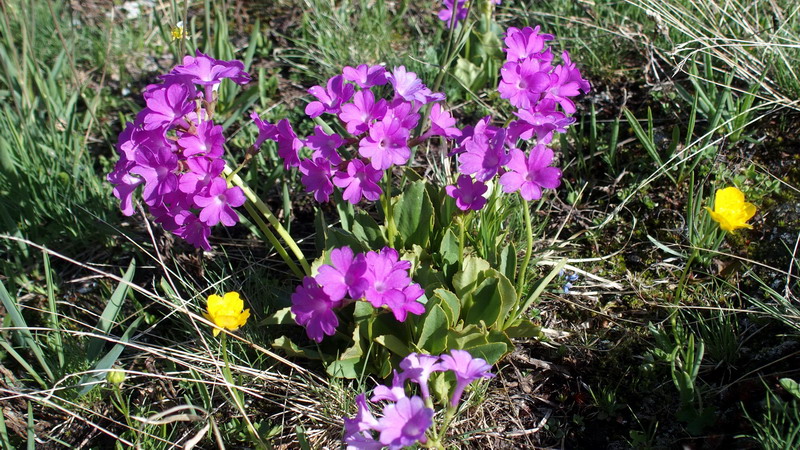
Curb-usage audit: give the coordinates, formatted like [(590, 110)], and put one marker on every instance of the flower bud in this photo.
[(115, 375)]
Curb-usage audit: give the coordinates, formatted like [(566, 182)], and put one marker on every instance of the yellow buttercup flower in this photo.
[(730, 209), (226, 312)]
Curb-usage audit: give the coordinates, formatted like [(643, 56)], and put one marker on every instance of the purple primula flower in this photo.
[(288, 144), (541, 121), (363, 421), (402, 306), (418, 368), (345, 275), (134, 137), (124, 185), (407, 113), (365, 76), (409, 87), (207, 71), (362, 441), (201, 172), (266, 130), (567, 83), (316, 177), (466, 369), (483, 156), (157, 167), (173, 212), (324, 145), (570, 71), (442, 123), (387, 277), (207, 140), (195, 232), (313, 309), (405, 422), (468, 194), (524, 43), (217, 205), (529, 176), (359, 115), (329, 100), (167, 104), (446, 14), (386, 144), (359, 180), (394, 393), (523, 83)]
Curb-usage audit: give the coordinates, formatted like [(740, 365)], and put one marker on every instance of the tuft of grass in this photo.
[(757, 41)]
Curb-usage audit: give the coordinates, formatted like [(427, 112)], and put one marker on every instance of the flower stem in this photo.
[(272, 239), (264, 210), (391, 230), (684, 276), (461, 235), (523, 269), (236, 395)]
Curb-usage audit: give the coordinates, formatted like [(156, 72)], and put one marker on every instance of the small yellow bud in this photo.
[(115, 375)]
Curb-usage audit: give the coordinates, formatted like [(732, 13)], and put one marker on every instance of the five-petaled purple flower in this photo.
[(467, 193), (466, 368), (529, 175), (313, 309), (217, 206)]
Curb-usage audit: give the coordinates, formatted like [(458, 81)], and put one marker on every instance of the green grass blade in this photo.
[(22, 362), (31, 428), (51, 304), (12, 309), (536, 293), (111, 311), (5, 444), (106, 362)]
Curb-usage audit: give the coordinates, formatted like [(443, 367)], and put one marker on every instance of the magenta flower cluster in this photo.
[(406, 419), (173, 150), (542, 93), (380, 278), (380, 128)]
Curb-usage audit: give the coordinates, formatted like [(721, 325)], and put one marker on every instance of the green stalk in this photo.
[(443, 66), (461, 226), (272, 239), (236, 395), (684, 277), (523, 270), (391, 230), (262, 208)]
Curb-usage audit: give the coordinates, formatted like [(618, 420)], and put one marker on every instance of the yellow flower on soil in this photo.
[(730, 209), (226, 312)]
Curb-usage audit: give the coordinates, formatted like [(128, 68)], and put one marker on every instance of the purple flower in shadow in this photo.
[(313, 309), (467, 193)]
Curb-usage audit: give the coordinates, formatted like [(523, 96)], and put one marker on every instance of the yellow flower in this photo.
[(226, 312), (178, 32), (730, 209)]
